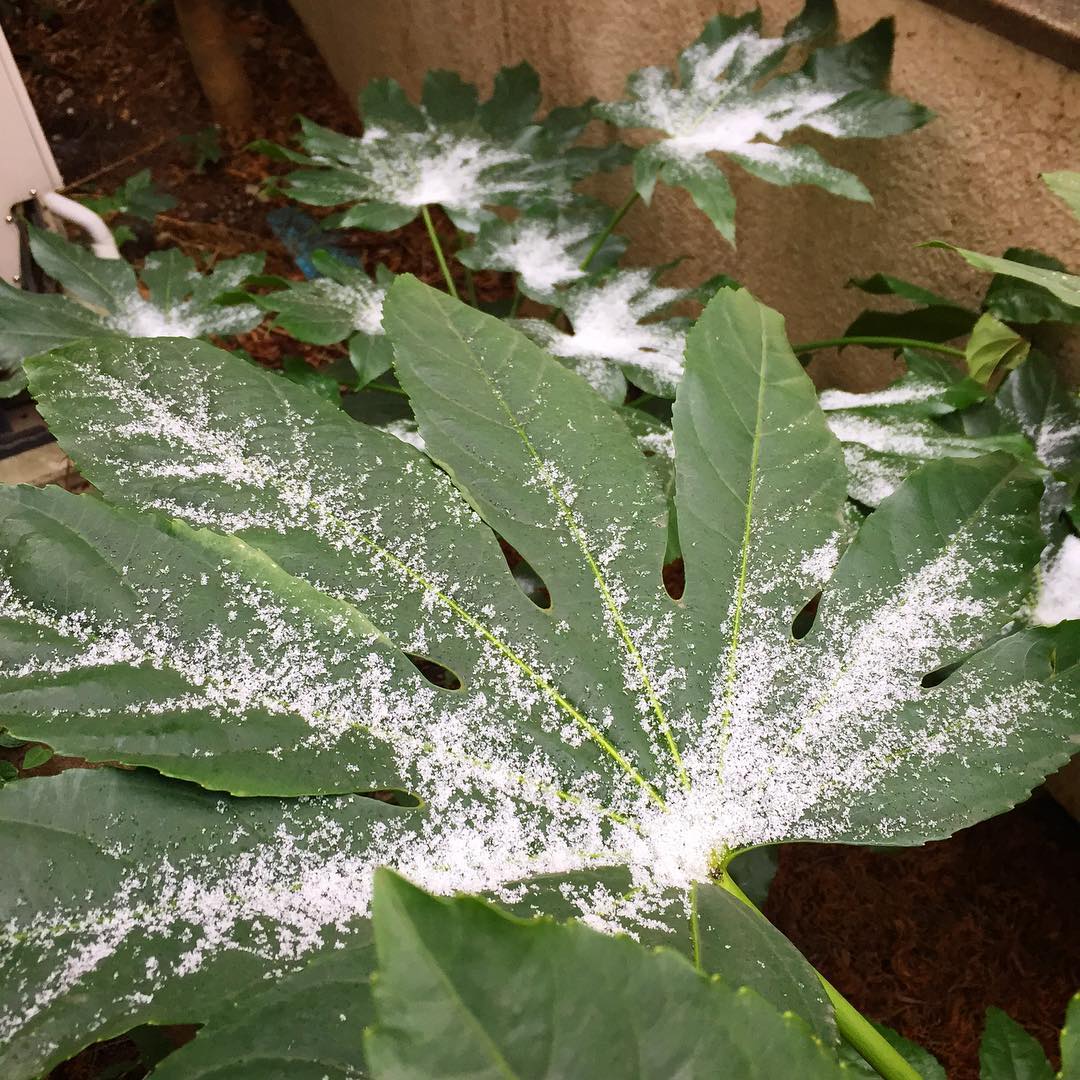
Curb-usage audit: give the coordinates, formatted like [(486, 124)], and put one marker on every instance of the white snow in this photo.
[(1059, 586)]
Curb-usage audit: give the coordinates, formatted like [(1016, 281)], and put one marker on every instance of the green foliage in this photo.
[(1008, 1052), (104, 299), (464, 990), (727, 98), (204, 146), (344, 304), (1064, 287), (449, 150), (137, 196), (240, 608), (993, 347)]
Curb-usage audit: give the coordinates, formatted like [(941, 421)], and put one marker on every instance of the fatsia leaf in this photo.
[(727, 100), (618, 331), (1066, 287), (993, 345), (1008, 1052), (448, 150), (545, 249), (182, 301), (464, 990), (615, 729), (136, 196)]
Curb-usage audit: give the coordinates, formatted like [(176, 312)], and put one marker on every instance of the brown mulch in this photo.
[(925, 939), (922, 939)]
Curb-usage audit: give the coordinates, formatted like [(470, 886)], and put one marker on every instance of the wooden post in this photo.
[(217, 63)]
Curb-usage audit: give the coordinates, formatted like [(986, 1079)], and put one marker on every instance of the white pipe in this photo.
[(101, 239)]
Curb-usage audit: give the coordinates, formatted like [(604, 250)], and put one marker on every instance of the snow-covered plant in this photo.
[(730, 96), (618, 331), (344, 304), (547, 249), (168, 298), (449, 151), (271, 600)]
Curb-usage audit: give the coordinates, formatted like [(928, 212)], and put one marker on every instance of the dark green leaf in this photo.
[(384, 104), (36, 756), (447, 98), (1014, 300), (1008, 1052), (922, 1061), (464, 990), (299, 371), (514, 100)]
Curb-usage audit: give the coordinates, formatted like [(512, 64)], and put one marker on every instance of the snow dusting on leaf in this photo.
[(609, 332)]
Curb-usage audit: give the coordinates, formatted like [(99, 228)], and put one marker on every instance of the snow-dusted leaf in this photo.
[(726, 99), (344, 303), (448, 151), (617, 330), (888, 434), (464, 990), (105, 299), (545, 249), (614, 729), (136, 899), (1066, 287)]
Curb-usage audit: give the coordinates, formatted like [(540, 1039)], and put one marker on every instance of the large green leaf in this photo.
[(463, 990), (728, 100), (616, 729)]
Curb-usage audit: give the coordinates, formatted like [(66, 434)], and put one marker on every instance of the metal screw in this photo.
[(17, 277), (33, 191), (10, 218)]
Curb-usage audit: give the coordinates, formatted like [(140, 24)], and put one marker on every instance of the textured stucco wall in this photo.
[(971, 176)]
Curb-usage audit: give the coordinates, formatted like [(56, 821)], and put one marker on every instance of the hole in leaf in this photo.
[(435, 673), (528, 580), (127, 1057), (675, 578), (394, 797), (803, 623), (939, 675)]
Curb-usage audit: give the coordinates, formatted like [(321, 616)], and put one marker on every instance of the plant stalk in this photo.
[(451, 288), (854, 1027), (609, 228), (899, 342)]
